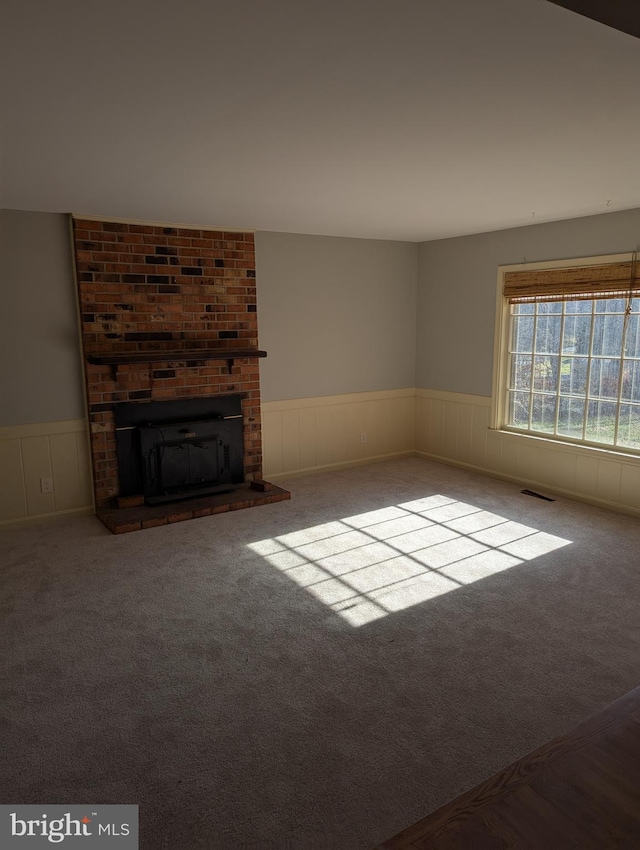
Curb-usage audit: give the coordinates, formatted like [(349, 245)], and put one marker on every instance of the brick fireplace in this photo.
[(166, 313)]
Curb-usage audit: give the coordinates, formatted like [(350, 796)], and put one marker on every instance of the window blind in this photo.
[(610, 280)]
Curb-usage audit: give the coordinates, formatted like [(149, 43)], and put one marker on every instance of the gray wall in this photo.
[(457, 280), (40, 366), (335, 315)]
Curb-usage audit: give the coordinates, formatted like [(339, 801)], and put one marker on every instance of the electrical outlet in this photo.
[(363, 437), (46, 485)]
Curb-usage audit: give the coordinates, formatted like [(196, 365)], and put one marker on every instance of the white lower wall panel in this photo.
[(70, 462), (437, 426), (630, 486), (308, 454), (290, 438), (13, 495), (464, 423), (587, 476), (493, 452), (455, 427), (29, 453), (563, 471), (325, 432), (609, 476), (479, 430)]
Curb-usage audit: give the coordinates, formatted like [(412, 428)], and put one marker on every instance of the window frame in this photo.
[(499, 417)]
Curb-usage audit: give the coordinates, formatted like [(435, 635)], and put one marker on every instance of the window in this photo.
[(570, 353)]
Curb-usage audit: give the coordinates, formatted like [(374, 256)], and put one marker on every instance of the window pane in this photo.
[(521, 371), (548, 334), (632, 341), (571, 417), (607, 335), (577, 333), (604, 378), (629, 428), (519, 410), (543, 414), (545, 373), (549, 308), (611, 305), (631, 380), (568, 354), (601, 421), (522, 333), (578, 307), (573, 375), (521, 309)]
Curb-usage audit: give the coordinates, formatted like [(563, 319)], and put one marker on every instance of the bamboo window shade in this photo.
[(611, 280)]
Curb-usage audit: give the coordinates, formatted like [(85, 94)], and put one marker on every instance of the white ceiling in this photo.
[(412, 119)]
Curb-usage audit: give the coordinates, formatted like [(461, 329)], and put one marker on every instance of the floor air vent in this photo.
[(537, 495)]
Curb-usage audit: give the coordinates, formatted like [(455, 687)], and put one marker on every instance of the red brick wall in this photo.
[(147, 288)]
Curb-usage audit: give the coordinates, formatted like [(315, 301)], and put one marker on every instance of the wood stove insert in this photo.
[(173, 450)]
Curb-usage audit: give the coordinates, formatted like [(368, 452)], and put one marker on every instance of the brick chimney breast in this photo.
[(145, 288)]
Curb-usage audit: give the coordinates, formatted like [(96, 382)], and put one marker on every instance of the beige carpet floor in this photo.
[(318, 673)]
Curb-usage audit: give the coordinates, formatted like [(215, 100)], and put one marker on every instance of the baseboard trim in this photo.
[(347, 464), (530, 482), (87, 510)]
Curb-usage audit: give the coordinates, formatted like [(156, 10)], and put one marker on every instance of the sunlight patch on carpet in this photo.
[(367, 566)]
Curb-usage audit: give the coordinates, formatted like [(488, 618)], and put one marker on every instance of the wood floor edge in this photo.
[(448, 817)]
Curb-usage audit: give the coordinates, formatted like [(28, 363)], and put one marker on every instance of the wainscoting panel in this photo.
[(29, 453), (306, 434), (454, 427), (587, 476), (13, 496), (70, 464), (630, 486), (36, 463), (311, 434)]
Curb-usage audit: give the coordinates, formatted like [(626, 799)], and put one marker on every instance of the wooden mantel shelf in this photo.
[(185, 355), (189, 355)]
